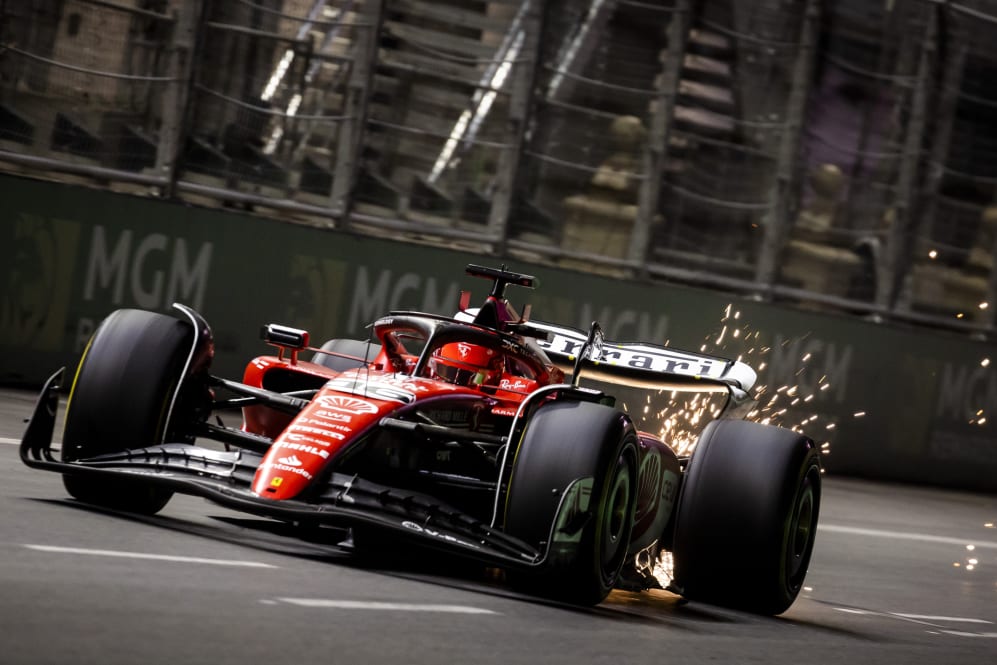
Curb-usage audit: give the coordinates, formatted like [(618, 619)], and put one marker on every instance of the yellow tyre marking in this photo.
[(76, 377)]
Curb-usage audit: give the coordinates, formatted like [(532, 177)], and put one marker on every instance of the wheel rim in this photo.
[(616, 523), (802, 533)]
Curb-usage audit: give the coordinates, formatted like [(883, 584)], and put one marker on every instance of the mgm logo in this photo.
[(37, 260)]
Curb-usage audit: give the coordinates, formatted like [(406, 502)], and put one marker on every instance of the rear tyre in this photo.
[(121, 398), (591, 449), (747, 517), (350, 347)]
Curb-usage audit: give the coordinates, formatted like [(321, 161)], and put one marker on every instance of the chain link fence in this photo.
[(837, 153), (84, 84)]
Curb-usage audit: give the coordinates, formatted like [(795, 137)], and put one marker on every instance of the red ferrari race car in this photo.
[(484, 434)]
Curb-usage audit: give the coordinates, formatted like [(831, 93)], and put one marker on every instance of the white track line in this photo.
[(928, 617), (5, 440), (905, 535), (153, 557), (925, 619), (395, 607)]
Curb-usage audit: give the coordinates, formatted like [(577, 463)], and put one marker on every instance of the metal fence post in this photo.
[(943, 116), (655, 152), (990, 316), (178, 89), (777, 220), (521, 104), (351, 130), (888, 272)]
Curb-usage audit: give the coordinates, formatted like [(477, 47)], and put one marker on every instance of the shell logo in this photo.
[(346, 404)]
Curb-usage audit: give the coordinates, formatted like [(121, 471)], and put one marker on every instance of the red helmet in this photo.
[(466, 364)]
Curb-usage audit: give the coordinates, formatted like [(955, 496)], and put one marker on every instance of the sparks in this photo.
[(677, 417)]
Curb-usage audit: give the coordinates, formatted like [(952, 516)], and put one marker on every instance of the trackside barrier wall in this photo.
[(926, 401)]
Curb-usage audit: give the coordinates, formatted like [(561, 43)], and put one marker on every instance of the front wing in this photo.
[(224, 477)]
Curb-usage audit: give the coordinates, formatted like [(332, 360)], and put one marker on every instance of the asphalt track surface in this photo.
[(900, 575)]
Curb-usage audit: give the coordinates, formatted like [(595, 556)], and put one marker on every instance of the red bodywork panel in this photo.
[(348, 404)]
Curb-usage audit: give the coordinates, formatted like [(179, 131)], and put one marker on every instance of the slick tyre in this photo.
[(121, 398), (747, 517), (590, 452)]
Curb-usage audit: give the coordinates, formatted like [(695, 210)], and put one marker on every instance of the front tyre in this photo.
[(747, 517), (572, 492), (123, 397)]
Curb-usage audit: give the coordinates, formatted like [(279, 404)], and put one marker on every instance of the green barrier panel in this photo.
[(70, 255)]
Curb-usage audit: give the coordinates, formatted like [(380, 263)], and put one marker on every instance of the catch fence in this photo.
[(836, 153)]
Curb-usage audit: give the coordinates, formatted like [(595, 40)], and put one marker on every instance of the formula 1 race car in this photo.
[(479, 434)]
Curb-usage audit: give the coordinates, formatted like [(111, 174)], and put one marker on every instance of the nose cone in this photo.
[(314, 438), (283, 476)]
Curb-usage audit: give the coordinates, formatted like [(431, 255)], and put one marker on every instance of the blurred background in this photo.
[(837, 154)]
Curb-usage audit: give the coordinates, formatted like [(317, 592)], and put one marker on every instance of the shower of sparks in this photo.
[(664, 568), (683, 417), (679, 417)]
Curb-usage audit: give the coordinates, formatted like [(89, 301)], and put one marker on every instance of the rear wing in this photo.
[(640, 365)]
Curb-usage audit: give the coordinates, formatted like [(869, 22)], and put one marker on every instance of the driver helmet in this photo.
[(464, 364)]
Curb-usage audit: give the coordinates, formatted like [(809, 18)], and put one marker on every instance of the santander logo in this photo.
[(291, 460)]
